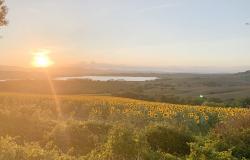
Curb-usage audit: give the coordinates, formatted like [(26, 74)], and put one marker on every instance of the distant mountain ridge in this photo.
[(244, 73), (11, 68), (247, 72), (161, 69), (14, 72), (82, 69)]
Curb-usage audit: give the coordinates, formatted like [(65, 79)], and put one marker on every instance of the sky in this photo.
[(128, 32)]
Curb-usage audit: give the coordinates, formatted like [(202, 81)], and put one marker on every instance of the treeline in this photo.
[(213, 102)]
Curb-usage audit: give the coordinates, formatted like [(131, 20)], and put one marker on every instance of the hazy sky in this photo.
[(131, 32)]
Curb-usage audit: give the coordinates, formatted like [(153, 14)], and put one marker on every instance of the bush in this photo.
[(206, 150), (235, 134), (23, 123), (245, 102), (229, 140), (238, 142), (121, 145), (168, 140), (10, 150), (124, 143), (78, 137)]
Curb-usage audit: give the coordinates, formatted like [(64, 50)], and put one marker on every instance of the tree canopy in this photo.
[(3, 12)]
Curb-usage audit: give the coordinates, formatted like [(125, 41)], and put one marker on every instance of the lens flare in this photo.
[(41, 59)]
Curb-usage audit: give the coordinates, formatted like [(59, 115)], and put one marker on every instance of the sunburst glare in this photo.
[(41, 59)]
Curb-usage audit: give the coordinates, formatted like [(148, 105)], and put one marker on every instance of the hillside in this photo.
[(218, 89), (103, 128), (244, 75)]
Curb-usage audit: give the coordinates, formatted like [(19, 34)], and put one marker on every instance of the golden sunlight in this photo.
[(41, 59)]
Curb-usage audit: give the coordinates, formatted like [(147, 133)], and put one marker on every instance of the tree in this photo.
[(245, 102), (3, 12)]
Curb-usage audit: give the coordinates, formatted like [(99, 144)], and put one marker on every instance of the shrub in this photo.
[(245, 102), (238, 142), (228, 140), (125, 144), (10, 150), (121, 145), (206, 150), (74, 136), (168, 140), (235, 134), (235, 124)]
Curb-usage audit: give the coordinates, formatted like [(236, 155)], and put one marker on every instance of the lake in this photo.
[(109, 78)]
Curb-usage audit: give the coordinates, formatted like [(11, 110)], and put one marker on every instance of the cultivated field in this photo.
[(103, 127)]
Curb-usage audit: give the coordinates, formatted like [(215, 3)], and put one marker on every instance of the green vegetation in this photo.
[(108, 128), (222, 90), (3, 12)]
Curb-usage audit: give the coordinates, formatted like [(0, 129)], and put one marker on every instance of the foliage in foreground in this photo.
[(3, 12), (108, 128), (10, 150)]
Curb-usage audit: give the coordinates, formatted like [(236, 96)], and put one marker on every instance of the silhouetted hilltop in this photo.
[(244, 73), (11, 68)]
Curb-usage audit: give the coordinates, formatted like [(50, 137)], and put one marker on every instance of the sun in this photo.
[(41, 59)]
